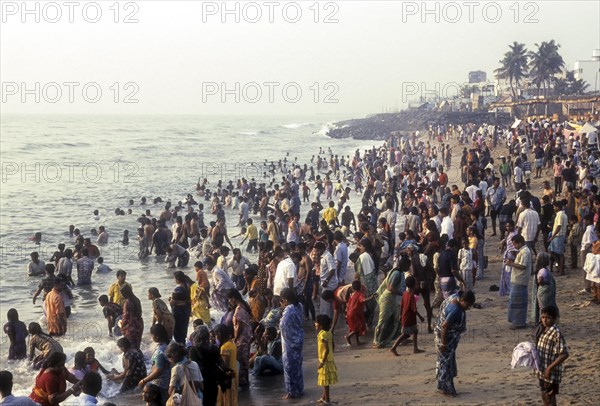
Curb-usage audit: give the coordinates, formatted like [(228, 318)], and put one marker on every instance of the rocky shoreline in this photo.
[(379, 126)]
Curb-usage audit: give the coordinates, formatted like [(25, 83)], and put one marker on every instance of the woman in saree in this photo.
[(509, 252), (430, 239), (50, 387), (390, 292), (451, 323), (132, 323), (228, 350), (221, 285), (543, 289), (292, 341), (200, 293), (242, 333), (160, 312), (181, 306)]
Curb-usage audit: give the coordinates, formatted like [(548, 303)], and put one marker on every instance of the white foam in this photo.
[(324, 131), (294, 126)]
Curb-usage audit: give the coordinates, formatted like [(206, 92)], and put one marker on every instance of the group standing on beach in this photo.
[(416, 236)]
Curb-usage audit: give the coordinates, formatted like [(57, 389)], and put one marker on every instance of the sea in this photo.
[(57, 169)]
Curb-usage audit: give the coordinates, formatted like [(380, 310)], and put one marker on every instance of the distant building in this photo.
[(477, 76), (589, 70)]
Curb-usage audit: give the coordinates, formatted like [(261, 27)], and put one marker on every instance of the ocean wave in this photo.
[(252, 133), (324, 131), (54, 145), (295, 126), (127, 130)]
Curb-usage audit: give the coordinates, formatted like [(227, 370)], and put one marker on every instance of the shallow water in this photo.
[(57, 169)]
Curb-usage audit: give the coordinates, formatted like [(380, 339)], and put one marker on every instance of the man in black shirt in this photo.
[(448, 269), (569, 175), (47, 283)]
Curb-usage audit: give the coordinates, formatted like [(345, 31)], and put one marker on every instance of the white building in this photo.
[(589, 70)]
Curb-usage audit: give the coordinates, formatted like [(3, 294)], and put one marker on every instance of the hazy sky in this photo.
[(184, 57)]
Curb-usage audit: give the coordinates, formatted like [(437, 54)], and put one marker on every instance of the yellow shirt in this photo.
[(114, 292), (252, 232), (473, 242), (273, 232), (330, 214), (229, 349), (560, 220)]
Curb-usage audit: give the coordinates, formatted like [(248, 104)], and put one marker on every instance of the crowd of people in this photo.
[(415, 234)]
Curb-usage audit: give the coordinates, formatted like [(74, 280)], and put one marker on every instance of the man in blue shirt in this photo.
[(495, 196), (341, 256)]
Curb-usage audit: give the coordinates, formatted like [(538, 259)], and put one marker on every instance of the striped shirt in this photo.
[(528, 222), (550, 344)]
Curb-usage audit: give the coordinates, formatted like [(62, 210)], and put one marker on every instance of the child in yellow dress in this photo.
[(327, 370)]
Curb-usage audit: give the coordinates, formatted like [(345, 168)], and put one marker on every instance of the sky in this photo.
[(265, 57)]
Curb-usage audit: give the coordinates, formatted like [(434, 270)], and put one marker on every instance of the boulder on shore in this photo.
[(380, 126)]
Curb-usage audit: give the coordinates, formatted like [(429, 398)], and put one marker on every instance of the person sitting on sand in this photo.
[(271, 361)]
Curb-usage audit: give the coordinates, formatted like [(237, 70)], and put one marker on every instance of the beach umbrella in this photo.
[(587, 128)]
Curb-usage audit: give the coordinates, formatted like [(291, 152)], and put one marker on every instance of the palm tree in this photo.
[(513, 66), (544, 64), (569, 86), (466, 91)]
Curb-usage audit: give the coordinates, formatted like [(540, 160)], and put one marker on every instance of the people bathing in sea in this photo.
[(17, 333), (36, 266), (42, 342)]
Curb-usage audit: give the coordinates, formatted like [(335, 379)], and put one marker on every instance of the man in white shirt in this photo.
[(434, 214), (36, 266), (91, 385), (390, 215), (592, 139), (528, 225), (244, 211), (588, 239), (238, 265), (329, 279), (285, 275), (447, 226), (8, 399), (483, 186), (558, 236), (472, 191), (518, 172)]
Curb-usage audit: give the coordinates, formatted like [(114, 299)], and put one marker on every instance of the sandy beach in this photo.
[(375, 377)]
